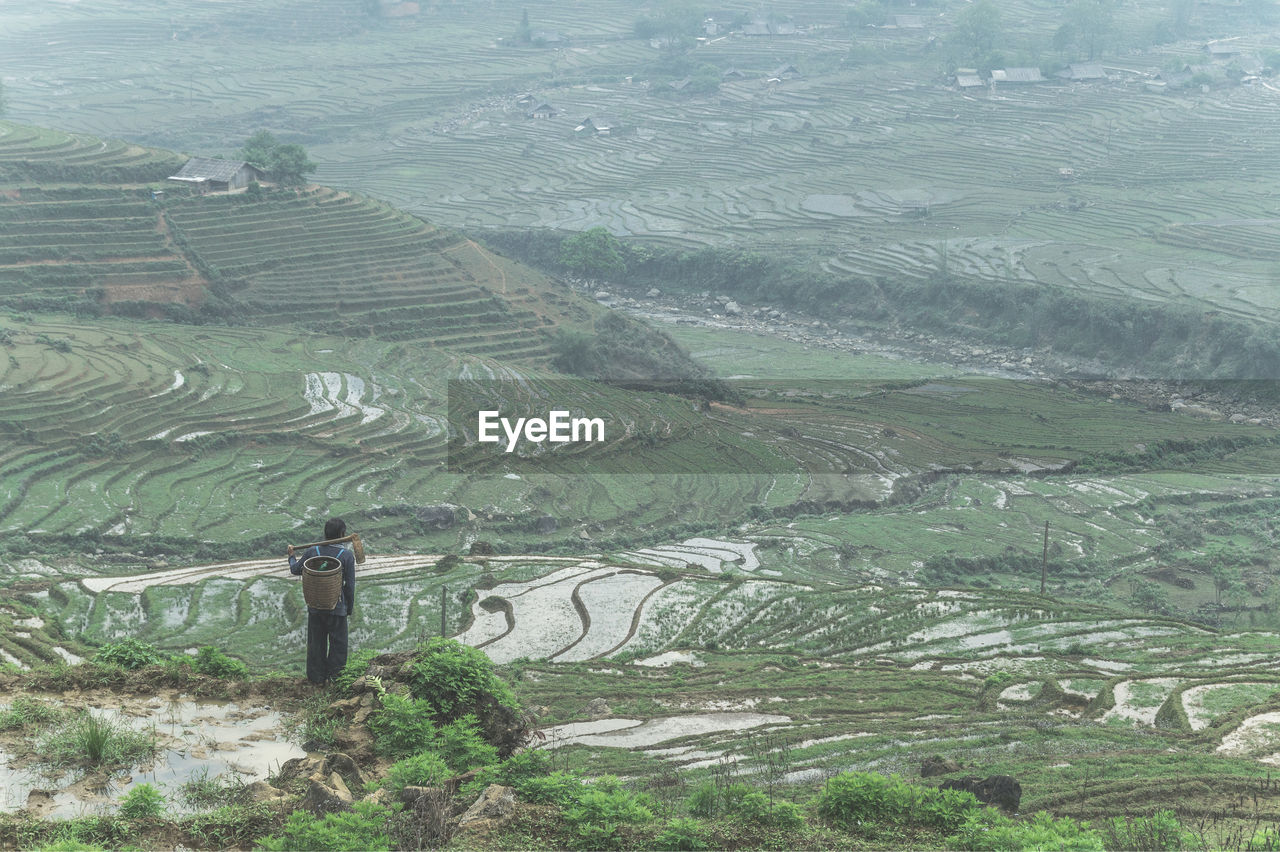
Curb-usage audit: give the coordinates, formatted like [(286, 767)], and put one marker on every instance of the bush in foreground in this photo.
[(857, 797), (364, 827), (129, 654)]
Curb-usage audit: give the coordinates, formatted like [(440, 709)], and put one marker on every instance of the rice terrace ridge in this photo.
[(806, 424)]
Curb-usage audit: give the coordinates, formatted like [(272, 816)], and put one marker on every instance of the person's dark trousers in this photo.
[(326, 645)]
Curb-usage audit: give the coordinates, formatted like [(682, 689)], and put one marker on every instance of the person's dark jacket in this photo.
[(347, 601)]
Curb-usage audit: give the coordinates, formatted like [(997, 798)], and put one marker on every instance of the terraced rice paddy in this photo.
[(596, 609), (1164, 201), (319, 259), (110, 424), (775, 675), (195, 738), (862, 595)]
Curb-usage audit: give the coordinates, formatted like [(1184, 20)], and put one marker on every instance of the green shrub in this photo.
[(357, 666), (787, 815), (682, 835), (211, 661), (403, 726), (128, 654), (528, 764), (364, 827), (529, 772), (142, 802), (1264, 840), (945, 809), (704, 801), (987, 830), (462, 746), (856, 797), (424, 769), (746, 803), (559, 788), (178, 667), (1161, 830), (997, 681), (594, 836), (455, 679), (607, 803), (600, 809)]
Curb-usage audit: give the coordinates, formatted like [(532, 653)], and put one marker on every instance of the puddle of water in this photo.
[(196, 740), (633, 733), (1193, 699), (670, 658), (1079, 687), (1257, 733), (1107, 665), (11, 659), (1151, 695), (70, 658), (611, 603), (1019, 692)]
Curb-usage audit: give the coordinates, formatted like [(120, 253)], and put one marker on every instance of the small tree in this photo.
[(977, 31), (524, 32), (593, 252), (1086, 26), (285, 163), (290, 164), (673, 20), (258, 148)]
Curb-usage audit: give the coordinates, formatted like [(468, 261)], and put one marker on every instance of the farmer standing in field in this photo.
[(327, 629)]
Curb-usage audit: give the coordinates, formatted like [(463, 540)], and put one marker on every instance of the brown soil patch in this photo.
[(189, 292)]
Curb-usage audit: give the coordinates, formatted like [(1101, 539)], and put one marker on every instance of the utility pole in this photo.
[(1044, 558), (444, 590)]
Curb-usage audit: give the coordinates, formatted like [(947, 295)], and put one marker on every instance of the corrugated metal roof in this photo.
[(207, 168), (1017, 75), (1087, 71)]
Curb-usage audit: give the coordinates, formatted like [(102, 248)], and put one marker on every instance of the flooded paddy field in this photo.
[(179, 740)]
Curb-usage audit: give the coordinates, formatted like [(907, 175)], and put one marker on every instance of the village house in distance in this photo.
[(211, 175)]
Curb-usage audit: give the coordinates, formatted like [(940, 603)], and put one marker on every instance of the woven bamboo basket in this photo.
[(321, 581)]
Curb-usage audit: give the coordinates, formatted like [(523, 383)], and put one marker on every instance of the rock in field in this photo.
[(495, 807), (938, 765), (1004, 791)]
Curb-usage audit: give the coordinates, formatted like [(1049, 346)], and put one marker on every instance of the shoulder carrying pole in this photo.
[(357, 546)]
